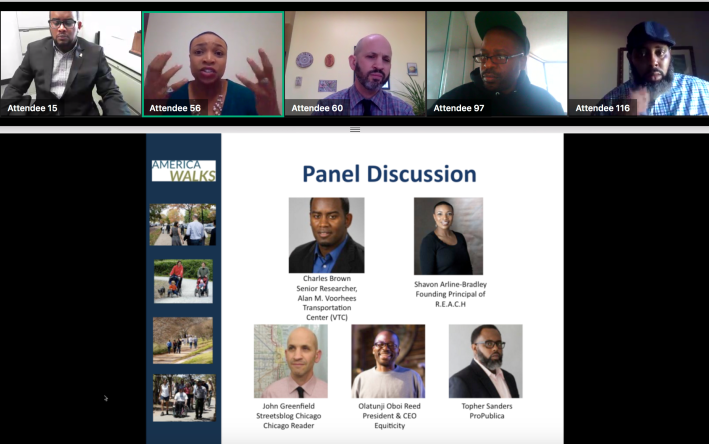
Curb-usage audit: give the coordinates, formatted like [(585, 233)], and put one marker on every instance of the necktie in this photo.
[(367, 104), (300, 392)]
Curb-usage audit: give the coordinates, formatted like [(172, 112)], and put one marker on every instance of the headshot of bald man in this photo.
[(301, 354), (371, 63)]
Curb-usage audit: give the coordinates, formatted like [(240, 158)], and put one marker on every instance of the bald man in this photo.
[(371, 63), (301, 354)]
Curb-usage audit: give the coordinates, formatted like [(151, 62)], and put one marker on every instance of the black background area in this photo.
[(83, 241), (633, 258)]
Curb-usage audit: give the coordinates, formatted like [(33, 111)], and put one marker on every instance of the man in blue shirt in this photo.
[(195, 230), (333, 250), (659, 91)]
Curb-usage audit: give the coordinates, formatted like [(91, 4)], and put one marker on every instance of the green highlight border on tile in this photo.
[(283, 62)]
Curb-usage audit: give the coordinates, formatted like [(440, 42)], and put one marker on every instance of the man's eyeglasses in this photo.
[(496, 59), (389, 345), (68, 23), (492, 344)]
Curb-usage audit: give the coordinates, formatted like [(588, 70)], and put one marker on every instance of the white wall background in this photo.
[(33, 19), (11, 55), (117, 31), (244, 35), (461, 354)]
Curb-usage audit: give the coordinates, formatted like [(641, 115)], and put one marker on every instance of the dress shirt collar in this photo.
[(75, 48), (308, 387), (334, 253), (355, 97)]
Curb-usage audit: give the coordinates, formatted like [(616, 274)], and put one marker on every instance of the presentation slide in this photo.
[(430, 294)]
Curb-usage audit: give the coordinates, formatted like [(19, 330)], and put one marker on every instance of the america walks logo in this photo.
[(184, 170)]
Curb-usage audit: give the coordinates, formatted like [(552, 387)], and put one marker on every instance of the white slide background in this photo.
[(520, 177)]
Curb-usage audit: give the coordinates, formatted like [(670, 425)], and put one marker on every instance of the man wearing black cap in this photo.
[(502, 79), (659, 91)]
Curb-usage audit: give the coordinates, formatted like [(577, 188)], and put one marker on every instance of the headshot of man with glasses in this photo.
[(65, 68), (387, 379), (501, 80), (484, 377)]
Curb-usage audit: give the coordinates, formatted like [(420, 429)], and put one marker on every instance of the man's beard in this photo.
[(656, 89), (489, 363), (370, 85)]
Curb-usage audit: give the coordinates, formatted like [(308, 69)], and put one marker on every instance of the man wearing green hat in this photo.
[(501, 80)]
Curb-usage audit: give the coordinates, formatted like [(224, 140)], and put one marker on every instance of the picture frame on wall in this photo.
[(412, 69), (682, 61), (354, 78)]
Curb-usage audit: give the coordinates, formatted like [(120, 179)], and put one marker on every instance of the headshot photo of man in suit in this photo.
[(334, 249), (65, 69), (484, 377)]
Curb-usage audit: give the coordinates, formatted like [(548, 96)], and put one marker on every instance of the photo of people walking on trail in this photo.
[(183, 224), (184, 397), (186, 281), (183, 340)]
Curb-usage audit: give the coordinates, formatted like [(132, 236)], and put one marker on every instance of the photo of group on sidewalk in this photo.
[(184, 397), (183, 340), (187, 281), (183, 224)]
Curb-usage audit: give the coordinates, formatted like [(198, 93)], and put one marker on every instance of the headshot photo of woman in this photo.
[(444, 250), (217, 59)]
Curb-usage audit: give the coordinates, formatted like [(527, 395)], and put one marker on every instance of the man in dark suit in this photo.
[(333, 250), (484, 377), (65, 69)]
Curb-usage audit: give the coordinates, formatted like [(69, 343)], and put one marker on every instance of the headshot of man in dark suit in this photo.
[(333, 250), (65, 69), (484, 377)]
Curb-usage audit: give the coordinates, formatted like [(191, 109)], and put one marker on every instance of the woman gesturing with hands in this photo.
[(265, 87), (209, 93)]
